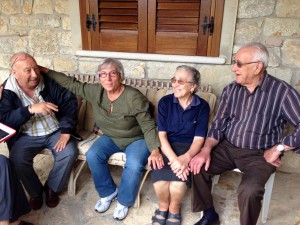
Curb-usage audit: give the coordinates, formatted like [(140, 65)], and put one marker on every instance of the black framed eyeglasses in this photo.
[(181, 82), (111, 74), (240, 64)]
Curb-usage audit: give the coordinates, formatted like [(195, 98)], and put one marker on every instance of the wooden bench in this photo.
[(153, 90)]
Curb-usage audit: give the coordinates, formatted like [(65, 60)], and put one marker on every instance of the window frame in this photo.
[(226, 41)]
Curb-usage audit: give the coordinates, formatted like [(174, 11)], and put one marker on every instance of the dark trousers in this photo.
[(256, 172), (27, 147), (13, 202)]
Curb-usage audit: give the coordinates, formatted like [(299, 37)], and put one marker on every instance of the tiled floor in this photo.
[(78, 210)]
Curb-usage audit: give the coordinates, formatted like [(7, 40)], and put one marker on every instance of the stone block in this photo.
[(65, 39), (275, 58), (62, 6), (273, 42), (161, 70), (27, 6), (247, 31), (66, 23), (288, 8), (10, 7), (279, 27), (43, 42), (291, 52), (88, 67), (42, 7), (255, 8), (64, 64), (216, 76), (4, 74)]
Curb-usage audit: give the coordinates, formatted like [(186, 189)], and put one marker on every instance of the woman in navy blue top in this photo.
[(182, 127)]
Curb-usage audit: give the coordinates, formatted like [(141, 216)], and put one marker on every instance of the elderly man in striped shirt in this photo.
[(247, 133)]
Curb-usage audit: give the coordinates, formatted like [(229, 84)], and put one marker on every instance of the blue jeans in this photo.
[(137, 154)]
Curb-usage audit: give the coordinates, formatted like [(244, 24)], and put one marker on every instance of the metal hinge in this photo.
[(89, 22), (205, 25)]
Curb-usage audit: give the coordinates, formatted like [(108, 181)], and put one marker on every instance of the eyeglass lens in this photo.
[(111, 74)]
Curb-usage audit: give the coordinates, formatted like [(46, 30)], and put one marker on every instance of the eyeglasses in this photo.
[(181, 82), (239, 64), (111, 74)]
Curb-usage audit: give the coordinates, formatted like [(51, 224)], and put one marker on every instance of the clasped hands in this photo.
[(180, 166)]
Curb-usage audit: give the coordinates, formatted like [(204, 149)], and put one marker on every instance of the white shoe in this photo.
[(103, 204), (121, 212)]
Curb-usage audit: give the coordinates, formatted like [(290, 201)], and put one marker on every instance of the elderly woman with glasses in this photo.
[(122, 114), (182, 126)]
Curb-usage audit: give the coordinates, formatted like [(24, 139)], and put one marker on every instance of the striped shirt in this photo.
[(256, 120), (39, 124)]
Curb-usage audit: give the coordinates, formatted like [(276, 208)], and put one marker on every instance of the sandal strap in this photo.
[(174, 216), (161, 213), (161, 221)]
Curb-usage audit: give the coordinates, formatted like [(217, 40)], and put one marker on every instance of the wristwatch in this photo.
[(280, 147)]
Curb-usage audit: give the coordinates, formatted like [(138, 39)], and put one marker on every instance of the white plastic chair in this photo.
[(267, 195)]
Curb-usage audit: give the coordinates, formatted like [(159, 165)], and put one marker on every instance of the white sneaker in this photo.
[(121, 212), (103, 204)]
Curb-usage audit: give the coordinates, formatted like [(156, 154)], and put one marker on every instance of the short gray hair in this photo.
[(261, 52), (108, 62), (195, 74)]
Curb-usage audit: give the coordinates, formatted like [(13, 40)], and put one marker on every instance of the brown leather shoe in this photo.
[(52, 198), (36, 202)]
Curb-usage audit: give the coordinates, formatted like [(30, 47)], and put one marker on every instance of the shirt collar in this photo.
[(195, 101)]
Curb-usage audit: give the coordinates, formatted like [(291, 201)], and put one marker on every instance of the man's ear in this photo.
[(259, 68)]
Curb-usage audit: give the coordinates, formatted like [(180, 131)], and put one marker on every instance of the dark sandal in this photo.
[(161, 221), (174, 216)]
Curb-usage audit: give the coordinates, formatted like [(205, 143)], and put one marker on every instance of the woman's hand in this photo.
[(179, 164), (156, 160)]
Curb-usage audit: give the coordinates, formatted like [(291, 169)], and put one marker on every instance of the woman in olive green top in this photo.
[(122, 114)]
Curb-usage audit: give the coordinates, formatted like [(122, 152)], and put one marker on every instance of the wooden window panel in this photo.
[(153, 26), (122, 41), (185, 43)]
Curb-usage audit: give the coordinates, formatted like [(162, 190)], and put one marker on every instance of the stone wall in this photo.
[(43, 29)]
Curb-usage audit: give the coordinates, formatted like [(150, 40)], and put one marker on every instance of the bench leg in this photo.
[(137, 202), (73, 178)]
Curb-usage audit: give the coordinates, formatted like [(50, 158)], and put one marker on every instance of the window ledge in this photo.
[(152, 57)]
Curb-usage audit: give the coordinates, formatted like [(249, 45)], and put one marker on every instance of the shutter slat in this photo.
[(119, 15), (119, 26), (119, 19), (161, 21), (177, 28)]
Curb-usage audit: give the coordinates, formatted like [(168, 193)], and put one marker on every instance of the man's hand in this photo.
[(156, 160), (44, 107), (62, 142), (272, 156), (203, 157)]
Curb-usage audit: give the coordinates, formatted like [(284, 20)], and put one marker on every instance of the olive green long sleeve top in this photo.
[(130, 119)]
